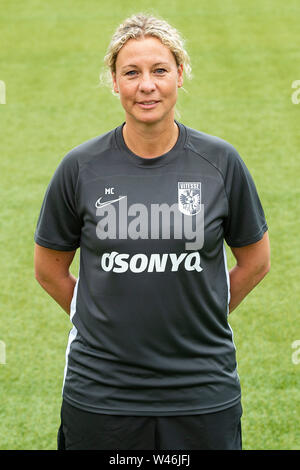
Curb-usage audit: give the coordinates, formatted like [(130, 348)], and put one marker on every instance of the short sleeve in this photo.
[(246, 221), (59, 225)]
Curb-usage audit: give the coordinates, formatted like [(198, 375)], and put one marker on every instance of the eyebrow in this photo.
[(154, 65)]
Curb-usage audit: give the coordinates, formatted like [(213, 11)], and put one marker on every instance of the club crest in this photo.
[(189, 198)]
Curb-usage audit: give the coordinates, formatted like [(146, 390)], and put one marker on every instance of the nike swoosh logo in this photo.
[(99, 204)]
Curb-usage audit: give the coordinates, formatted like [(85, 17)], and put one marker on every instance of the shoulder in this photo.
[(217, 151), (89, 150)]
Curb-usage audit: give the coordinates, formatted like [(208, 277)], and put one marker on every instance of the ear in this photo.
[(115, 86), (180, 76)]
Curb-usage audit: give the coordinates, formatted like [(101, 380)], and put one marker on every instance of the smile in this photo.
[(147, 104)]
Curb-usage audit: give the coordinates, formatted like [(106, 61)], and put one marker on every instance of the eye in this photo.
[(131, 73), (160, 71)]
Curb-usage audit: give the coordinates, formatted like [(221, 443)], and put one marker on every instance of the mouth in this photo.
[(147, 104)]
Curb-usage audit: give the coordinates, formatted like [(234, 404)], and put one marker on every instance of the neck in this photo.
[(150, 140)]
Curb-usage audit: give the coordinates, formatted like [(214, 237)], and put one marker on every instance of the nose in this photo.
[(147, 84)]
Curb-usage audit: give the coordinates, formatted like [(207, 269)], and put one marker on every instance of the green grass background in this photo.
[(245, 56)]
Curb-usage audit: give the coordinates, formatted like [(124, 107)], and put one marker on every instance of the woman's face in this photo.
[(147, 79)]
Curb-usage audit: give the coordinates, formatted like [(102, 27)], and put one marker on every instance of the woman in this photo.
[(150, 361)]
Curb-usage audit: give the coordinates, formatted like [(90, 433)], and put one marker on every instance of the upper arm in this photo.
[(255, 256), (50, 264), (59, 223)]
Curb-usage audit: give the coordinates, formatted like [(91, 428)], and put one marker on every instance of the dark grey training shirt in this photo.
[(150, 330)]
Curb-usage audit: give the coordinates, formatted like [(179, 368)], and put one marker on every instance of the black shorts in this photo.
[(82, 430)]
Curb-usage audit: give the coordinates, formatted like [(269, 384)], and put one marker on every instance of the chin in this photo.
[(148, 119), (151, 118)]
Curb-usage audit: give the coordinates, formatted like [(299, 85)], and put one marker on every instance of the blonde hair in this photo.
[(141, 25)]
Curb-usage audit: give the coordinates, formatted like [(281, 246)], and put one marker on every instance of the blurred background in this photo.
[(245, 89)]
